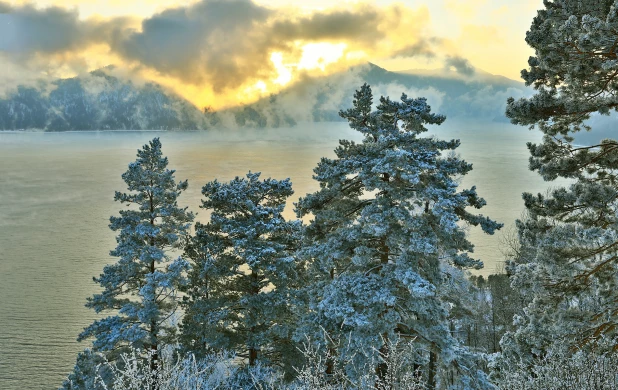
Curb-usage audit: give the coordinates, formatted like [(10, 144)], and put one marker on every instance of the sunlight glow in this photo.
[(261, 86), (319, 55), (284, 74)]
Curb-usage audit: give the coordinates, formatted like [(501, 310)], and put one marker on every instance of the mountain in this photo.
[(476, 76), (101, 101), (98, 101), (475, 95)]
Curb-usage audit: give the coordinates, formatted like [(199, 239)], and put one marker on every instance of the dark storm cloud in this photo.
[(461, 65), (361, 24), (26, 29), (216, 41), (225, 43)]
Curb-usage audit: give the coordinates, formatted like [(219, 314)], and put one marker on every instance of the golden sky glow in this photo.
[(222, 55)]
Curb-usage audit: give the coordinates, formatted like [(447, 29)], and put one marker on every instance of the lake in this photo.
[(56, 197)]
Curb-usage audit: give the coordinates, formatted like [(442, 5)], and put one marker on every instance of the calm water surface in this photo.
[(56, 197)]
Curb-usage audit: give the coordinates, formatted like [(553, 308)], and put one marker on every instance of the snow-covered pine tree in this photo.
[(141, 289), (387, 220), (240, 297), (569, 256)]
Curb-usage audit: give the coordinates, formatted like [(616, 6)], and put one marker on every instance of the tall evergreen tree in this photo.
[(569, 256), (387, 223), (141, 289), (241, 292)]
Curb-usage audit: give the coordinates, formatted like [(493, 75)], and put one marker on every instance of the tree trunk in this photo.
[(154, 366), (330, 361), (494, 297), (154, 347), (433, 367), (253, 351), (253, 355), (330, 364), (382, 367)]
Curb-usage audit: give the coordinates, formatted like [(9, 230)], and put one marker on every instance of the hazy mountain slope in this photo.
[(478, 95), (102, 101), (26, 109), (98, 101)]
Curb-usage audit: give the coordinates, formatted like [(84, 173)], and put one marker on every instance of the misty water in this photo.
[(56, 197)]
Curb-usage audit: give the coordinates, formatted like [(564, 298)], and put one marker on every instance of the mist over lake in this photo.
[(56, 197)]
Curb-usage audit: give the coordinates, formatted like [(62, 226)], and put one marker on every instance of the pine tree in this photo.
[(569, 240), (88, 366), (386, 226), (241, 292), (142, 287)]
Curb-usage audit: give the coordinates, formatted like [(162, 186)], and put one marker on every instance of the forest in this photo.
[(371, 286)]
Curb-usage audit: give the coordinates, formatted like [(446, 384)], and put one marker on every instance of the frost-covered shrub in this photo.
[(132, 371), (87, 368), (400, 374), (581, 371)]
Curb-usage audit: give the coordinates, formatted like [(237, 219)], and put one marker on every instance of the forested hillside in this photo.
[(98, 101), (102, 101)]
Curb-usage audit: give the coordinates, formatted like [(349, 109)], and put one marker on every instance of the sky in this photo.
[(221, 53)]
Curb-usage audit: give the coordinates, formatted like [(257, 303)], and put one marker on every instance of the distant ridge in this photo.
[(101, 101), (478, 76), (98, 101), (479, 96)]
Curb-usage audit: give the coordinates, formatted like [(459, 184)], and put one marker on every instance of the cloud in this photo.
[(488, 102), (221, 47), (229, 43), (361, 24), (425, 48), (461, 65), (216, 42), (39, 45), (27, 30)]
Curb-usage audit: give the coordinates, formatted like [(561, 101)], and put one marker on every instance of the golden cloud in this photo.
[(215, 52)]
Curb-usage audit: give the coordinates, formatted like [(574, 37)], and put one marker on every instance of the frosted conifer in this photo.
[(567, 270), (241, 293), (141, 289), (386, 226)]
